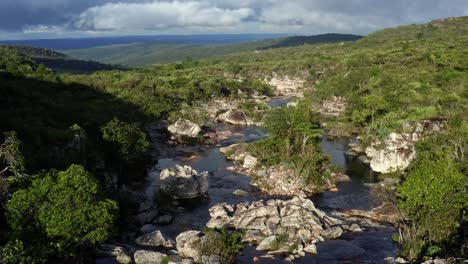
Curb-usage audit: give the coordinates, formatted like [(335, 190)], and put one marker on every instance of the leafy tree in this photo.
[(129, 139), (433, 198), (370, 106), (65, 208)]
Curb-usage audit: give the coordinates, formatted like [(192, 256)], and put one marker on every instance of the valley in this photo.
[(272, 151)]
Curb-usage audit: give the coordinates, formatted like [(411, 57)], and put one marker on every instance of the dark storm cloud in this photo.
[(190, 16)]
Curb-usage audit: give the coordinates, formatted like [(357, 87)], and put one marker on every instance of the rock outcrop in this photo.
[(184, 127), (183, 182), (397, 151), (277, 223), (287, 86), (234, 117), (333, 106)]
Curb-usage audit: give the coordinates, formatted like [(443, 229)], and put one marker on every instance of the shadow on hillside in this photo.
[(42, 112), (77, 66)]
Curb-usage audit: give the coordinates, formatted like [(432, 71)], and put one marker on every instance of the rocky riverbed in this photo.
[(331, 227)]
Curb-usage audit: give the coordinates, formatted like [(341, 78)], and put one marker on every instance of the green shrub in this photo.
[(60, 210), (223, 243)]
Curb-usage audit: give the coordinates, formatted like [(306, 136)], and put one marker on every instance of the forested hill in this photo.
[(60, 62), (141, 54), (387, 80), (303, 40)]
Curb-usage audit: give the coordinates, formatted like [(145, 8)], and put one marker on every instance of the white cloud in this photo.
[(104, 17), (159, 15)]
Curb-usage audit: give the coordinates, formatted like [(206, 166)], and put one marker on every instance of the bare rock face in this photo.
[(265, 222), (183, 182), (184, 127), (397, 151), (287, 86), (397, 154), (235, 117), (333, 106)]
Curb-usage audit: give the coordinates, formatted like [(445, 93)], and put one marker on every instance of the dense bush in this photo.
[(56, 213), (293, 137), (222, 243)]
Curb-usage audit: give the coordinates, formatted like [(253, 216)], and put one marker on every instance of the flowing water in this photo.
[(371, 246)]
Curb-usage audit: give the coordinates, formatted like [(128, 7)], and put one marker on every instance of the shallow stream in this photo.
[(371, 246)]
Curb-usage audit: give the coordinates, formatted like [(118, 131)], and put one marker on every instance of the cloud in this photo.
[(81, 17)]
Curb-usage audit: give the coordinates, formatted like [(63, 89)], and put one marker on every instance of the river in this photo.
[(371, 246)]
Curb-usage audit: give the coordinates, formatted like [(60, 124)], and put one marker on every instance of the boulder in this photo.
[(153, 239), (123, 258), (234, 117), (184, 127), (187, 244), (183, 182), (149, 257), (249, 162), (267, 243), (240, 193)]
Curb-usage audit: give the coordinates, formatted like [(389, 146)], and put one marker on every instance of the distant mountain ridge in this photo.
[(60, 62), (85, 43), (148, 53), (323, 38)]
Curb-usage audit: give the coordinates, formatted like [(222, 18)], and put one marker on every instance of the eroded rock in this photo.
[(183, 182), (184, 127), (398, 150), (264, 222), (234, 117)]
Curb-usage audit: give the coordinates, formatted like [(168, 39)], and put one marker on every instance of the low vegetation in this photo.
[(62, 133)]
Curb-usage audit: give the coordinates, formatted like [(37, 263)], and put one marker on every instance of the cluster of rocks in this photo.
[(277, 226), (334, 106), (154, 248), (286, 86), (183, 182), (398, 150)]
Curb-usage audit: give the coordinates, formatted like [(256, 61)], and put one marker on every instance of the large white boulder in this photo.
[(184, 127), (183, 182)]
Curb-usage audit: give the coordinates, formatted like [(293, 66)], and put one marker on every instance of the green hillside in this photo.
[(60, 62), (50, 121), (146, 54)]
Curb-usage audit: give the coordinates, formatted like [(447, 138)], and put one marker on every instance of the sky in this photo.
[(30, 19)]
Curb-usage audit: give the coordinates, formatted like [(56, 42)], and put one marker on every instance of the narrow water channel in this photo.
[(371, 246)]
